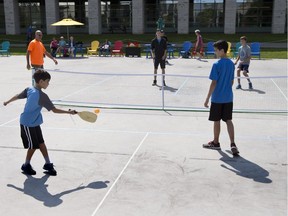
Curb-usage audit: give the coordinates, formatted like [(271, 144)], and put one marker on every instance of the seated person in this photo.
[(105, 48), (54, 47), (62, 46), (71, 47)]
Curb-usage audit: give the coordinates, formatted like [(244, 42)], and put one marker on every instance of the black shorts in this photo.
[(220, 111), (159, 61), (244, 67), (31, 137)]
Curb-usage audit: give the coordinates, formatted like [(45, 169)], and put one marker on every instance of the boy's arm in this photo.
[(211, 89), (28, 66), (60, 111), (237, 59), (11, 100)]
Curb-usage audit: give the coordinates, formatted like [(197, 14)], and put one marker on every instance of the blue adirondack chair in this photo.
[(255, 49), (5, 48), (170, 50), (185, 50), (210, 49), (147, 50)]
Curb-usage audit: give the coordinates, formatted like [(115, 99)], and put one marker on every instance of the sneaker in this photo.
[(164, 84), (50, 169), (212, 145), (250, 86), (234, 149), (27, 169), (238, 86), (154, 83)]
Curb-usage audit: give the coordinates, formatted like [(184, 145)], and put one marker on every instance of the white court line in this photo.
[(9, 122), (119, 176), (107, 79), (280, 90), (199, 134), (181, 86)]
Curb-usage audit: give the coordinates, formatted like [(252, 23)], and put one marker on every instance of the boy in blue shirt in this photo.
[(220, 91), (31, 119)]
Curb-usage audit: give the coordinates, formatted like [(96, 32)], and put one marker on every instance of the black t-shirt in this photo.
[(158, 47)]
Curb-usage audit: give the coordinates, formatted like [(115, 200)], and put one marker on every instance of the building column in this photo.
[(183, 16), (12, 19), (230, 10), (52, 16), (94, 17), (278, 17), (138, 16)]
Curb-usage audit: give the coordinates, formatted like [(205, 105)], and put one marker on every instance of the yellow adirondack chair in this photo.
[(229, 51), (93, 49)]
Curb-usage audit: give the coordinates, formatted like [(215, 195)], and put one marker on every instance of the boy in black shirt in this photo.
[(159, 53)]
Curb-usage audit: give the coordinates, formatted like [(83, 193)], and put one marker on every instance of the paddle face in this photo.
[(87, 116)]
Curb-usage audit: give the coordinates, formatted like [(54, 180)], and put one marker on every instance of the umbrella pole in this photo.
[(67, 33)]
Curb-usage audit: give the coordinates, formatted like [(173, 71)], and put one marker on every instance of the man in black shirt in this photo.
[(159, 53)]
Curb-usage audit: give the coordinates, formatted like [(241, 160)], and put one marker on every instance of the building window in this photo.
[(116, 16), (2, 17), (254, 15), (32, 13), (76, 10), (161, 9), (206, 15)]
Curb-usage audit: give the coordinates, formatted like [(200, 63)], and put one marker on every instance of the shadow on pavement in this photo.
[(245, 168), (36, 188)]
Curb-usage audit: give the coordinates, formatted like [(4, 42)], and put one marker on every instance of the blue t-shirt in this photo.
[(223, 72), (36, 99)]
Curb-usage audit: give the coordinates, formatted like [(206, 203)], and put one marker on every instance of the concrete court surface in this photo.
[(141, 162)]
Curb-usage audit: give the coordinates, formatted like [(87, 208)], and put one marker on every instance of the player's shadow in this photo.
[(202, 60), (36, 188), (168, 88), (245, 168), (254, 90)]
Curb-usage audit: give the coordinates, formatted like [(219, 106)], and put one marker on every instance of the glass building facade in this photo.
[(117, 15)]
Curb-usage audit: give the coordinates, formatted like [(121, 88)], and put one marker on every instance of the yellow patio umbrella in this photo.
[(67, 22)]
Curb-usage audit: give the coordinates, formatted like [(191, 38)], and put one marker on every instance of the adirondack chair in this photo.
[(185, 51), (5, 48), (210, 49), (255, 49), (117, 48), (93, 49)]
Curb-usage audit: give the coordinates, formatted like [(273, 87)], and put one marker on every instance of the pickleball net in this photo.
[(182, 93)]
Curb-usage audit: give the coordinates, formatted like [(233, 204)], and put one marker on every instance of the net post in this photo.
[(162, 89)]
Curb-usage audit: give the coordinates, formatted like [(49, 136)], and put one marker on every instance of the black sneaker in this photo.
[(250, 86), (50, 169), (154, 83), (164, 84), (238, 86), (234, 149), (27, 169), (212, 145)]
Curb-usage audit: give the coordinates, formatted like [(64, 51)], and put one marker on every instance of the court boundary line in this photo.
[(183, 84), (280, 90), (167, 133), (119, 176), (1, 125)]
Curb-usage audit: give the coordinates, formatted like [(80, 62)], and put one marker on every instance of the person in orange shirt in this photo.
[(36, 52)]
